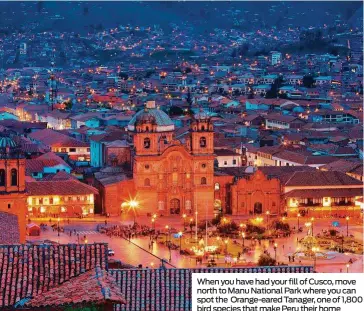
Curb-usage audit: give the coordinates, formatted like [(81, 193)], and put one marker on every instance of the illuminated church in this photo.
[(169, 176), (176, 177)]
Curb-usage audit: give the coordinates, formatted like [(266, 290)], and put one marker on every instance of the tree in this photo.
[(273, 92), (175, 111), (308, 81), (266, 260), (123, 75)]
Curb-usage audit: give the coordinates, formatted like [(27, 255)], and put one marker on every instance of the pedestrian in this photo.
[(289, 258)]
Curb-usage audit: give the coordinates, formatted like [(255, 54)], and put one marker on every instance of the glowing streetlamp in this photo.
[(298, 221), (58, 224), (226, 245), (180, 241), (133, 204), (347, 225), (314, 250), (312, 221), (167, 233), (347, 268), (243, 236), (184, 221), (267, 213), (275, 251)]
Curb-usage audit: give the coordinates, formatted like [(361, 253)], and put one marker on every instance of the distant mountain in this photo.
[(204, 16)]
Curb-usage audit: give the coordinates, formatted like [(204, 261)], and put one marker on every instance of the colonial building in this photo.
[(61, 196), (169, 176), (12, 193)]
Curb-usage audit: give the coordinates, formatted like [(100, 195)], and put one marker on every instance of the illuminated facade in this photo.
[(170, 177), (12, 190), (61, 198)]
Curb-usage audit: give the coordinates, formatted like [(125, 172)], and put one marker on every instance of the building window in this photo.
[(146, 143), (2, 177), (203, 165), (147, 166), (50, 200), (217, 186), (40, 200), (234, 162), (147, 182), (203, 142), (203, 181), (225, 162), (72, 149), (14, 177)]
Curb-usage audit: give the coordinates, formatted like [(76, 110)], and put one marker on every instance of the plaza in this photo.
[(140, 251)]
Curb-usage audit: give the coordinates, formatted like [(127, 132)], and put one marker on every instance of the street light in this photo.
[(347, 268), (347, 225), (184, 221), (298, 221), (312, 221), (180, 241), (226, 246), (314, 250), (167, 234), (191, 221), (58, 224), (267, 213), (275, 252), (133, 204), (243, 236)]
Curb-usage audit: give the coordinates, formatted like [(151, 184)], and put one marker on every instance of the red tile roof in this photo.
[(321, 178), (9, 228), (95, 286), (55, 139), (60, 187), (29, 270)]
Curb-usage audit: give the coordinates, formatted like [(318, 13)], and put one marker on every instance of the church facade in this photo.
[(176, 177)]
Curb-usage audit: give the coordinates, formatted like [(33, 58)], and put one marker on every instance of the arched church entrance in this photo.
[(258, 208), (175, 207)]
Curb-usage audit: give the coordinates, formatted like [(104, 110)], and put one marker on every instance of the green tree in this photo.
[(266, 260), (308, 81), (175, 111), (273, 92)]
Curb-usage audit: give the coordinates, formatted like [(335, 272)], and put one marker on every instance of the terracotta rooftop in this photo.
[(321, 178), (29, 270), (9, 228), (55, 139), (59, 187), (96, 286)]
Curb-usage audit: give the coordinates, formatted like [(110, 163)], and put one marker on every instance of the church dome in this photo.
[(153, 116), (7, 142), (9, 148)]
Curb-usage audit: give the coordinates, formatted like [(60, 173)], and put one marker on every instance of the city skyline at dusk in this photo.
[(141, 142)]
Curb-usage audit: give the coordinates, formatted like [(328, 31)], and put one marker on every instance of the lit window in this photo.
[(217, 186)]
